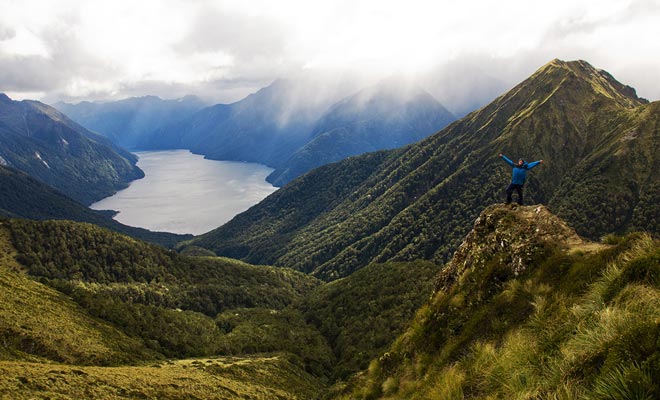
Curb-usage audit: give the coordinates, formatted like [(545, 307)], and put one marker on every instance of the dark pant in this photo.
[(509, 192)]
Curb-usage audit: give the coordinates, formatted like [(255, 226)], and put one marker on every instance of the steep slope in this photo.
[(388, 115), (417, 202), (42, 142), (25, 197), (265, 127), (125, 122), (37, 321), (527, 309), (362, 314), (625, 191)]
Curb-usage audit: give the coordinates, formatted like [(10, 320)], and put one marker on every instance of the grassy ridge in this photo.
[(531, 318)]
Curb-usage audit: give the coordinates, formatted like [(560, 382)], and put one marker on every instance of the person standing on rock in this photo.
[(518, 177)]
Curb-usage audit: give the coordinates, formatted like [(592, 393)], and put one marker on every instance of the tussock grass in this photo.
[(593, 333)]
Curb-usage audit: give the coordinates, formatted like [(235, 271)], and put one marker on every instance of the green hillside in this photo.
[(103, 289), (37, 322), (77, 299), (420, 201), (362, 314), (153, 294), (526, 309), (625, 191), (44, 143), (25, 197)]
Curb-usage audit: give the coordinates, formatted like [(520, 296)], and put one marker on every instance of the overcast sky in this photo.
[(222, 50)]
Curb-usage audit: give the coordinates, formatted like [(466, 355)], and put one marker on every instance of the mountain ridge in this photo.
[(416, 202), (44, 143)]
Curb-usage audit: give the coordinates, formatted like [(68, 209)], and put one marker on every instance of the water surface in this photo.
[(185, 193)]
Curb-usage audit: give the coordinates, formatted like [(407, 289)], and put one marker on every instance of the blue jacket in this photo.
[(520, 172)]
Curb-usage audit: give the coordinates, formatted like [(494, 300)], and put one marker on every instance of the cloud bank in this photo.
[(223, 50)]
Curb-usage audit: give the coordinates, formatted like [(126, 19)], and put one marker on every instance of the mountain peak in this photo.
[(600, 81), (4, 98)]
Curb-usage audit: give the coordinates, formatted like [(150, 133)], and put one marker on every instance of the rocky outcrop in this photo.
[(513, 235)]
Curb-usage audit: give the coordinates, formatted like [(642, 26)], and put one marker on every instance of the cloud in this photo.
[(463, 52)]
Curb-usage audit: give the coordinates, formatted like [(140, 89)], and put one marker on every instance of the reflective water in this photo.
[(184, 193)]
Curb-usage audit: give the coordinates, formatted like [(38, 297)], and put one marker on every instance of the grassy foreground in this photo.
[(258, 377), (526, 310)]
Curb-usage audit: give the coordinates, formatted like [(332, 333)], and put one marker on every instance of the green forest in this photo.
[(182, 306)]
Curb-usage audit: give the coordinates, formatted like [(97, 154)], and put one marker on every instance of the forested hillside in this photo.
[(44, 143), (172, 305)]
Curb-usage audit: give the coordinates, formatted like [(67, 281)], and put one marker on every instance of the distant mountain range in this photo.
[(293, 126), (597, 137), (125, 122), (265, 127), (43, 142)]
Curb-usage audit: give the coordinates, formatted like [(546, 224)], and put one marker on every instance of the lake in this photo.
[(185, 193)]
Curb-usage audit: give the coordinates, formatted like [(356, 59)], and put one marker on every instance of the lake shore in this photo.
[(185, 193)]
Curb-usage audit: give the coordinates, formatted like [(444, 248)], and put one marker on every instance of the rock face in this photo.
[(513, 235)]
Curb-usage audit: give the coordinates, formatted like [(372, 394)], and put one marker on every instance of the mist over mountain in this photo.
[(43, 142), (463, 86), (297, 125), (262, 128), (418, 201), (390, 114), (126, 121)]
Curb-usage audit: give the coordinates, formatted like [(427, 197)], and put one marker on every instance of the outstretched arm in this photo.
[(505, 158), (534, 164)]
